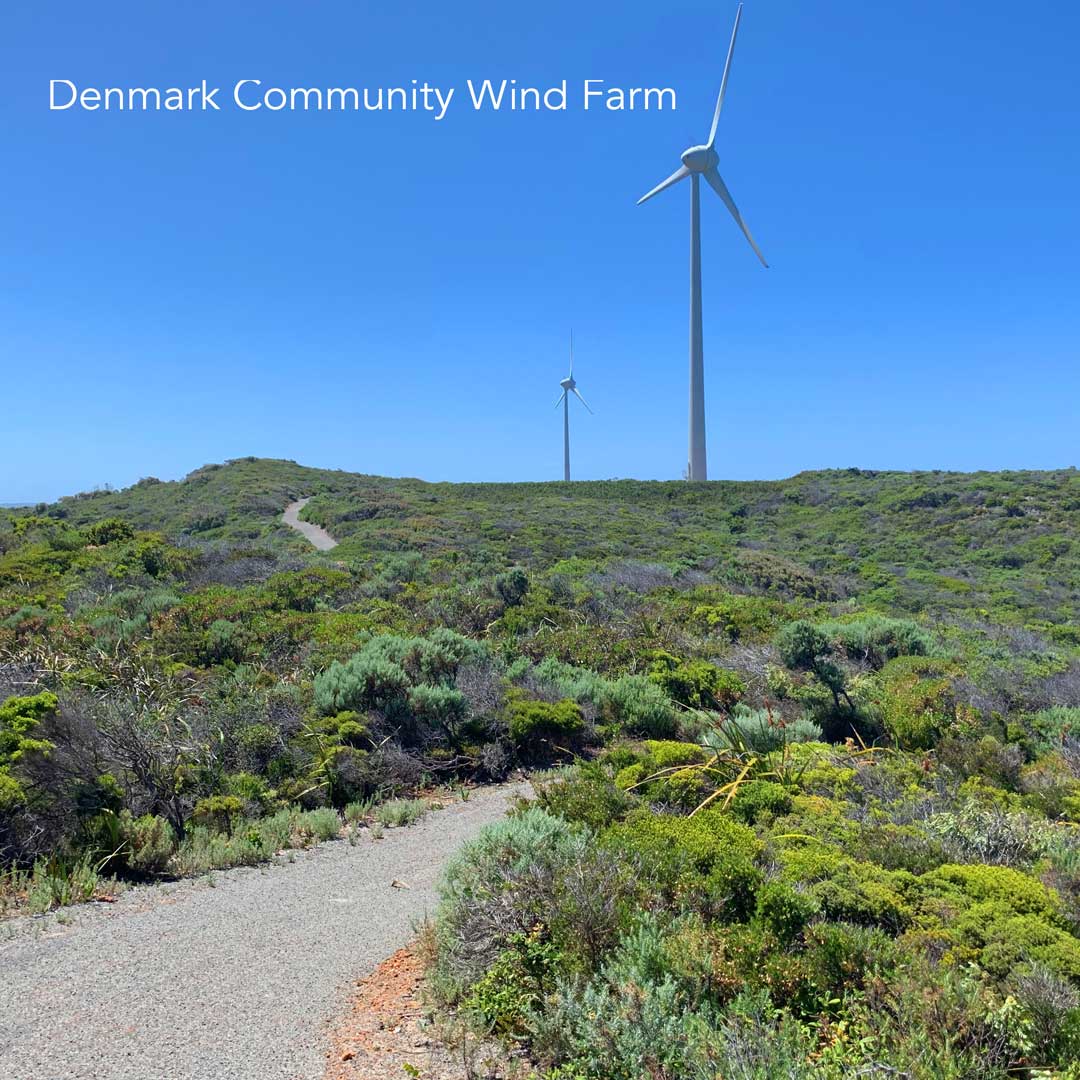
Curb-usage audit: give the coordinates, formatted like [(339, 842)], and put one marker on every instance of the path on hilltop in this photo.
[(315, 533), (238, 981)]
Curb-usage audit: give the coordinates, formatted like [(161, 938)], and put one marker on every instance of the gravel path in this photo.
[(315, 533), (231, 982)]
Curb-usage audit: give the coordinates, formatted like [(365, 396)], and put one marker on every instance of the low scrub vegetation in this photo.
[(811, 788)]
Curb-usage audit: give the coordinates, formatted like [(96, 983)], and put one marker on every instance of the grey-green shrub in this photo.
[(150, 842), (400, 812), (496, 886)]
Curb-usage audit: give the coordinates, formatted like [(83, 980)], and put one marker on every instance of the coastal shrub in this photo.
[(217, 812), (696, 683), (507, 994), (707, 862), (400, 812), (590, 797), (783, 911), (512, 585), (498, 885), (631, 1020), (758, 797), (918, 704), (109, 531), (150, 842), (846, 889), (531, 722), (443, 707), (761, 730), (876, 639), (636, 706), (1050, 728), (20, 718)]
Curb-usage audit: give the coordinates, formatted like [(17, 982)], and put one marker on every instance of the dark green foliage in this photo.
[(512, 586)]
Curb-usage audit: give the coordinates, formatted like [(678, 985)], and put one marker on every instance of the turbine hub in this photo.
[(568, 383), (699, 159)]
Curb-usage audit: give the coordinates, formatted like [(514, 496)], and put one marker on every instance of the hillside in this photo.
[(1004, 542), (867, 683)]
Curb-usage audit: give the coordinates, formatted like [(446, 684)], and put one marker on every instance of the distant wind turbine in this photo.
[(701, 161), (569, 386)]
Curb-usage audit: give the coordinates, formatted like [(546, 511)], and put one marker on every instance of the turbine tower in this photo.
[(697, 162), (569, 386)]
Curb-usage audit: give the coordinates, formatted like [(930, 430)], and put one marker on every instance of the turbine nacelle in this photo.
[(700, 159), (703, 160), (569, 383)]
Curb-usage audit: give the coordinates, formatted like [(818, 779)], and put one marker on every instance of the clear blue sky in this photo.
[(390, 294)]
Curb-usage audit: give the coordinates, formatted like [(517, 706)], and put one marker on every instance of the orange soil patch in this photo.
[(385, 1034)]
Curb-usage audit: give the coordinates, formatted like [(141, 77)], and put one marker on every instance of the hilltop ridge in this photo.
[(993, 540)]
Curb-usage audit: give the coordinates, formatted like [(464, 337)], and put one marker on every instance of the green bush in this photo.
[(512, 586), (696, 683), (762, 730), (506, 996), (666, 753), (400, 812), (109, 531), (149, 840), (500, 884), (784, 912), (531, 722), (636, 706), (708, 861), (876, 639), (19, 719), (440, 706), (589, 797), (757, 797), (217, 812)]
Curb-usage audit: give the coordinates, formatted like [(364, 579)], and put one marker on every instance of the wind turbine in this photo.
[(569, 386), (697, 162)]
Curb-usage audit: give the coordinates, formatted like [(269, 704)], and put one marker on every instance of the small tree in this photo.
[(512, 586), (804, 647)]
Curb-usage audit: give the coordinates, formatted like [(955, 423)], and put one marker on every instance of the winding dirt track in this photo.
[(233, 982), (318, 536)]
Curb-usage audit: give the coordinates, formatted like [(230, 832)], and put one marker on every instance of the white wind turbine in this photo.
[(569, 386), (701, 161)]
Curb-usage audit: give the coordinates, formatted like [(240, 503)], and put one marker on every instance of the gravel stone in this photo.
[(235, 977)]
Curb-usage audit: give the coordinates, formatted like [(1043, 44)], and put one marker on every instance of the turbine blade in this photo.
[(723, 81), (560, 401), (571, 354), (720, 188), (582, 400), (674, 178)]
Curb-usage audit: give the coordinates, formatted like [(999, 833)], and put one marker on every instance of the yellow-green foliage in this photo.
[(917, 703), (709, 858), (19, 718), (1000, 917), (1017, 891), (530, 721), (666, 753), (757, 798), (847, 889), (684, 787)]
